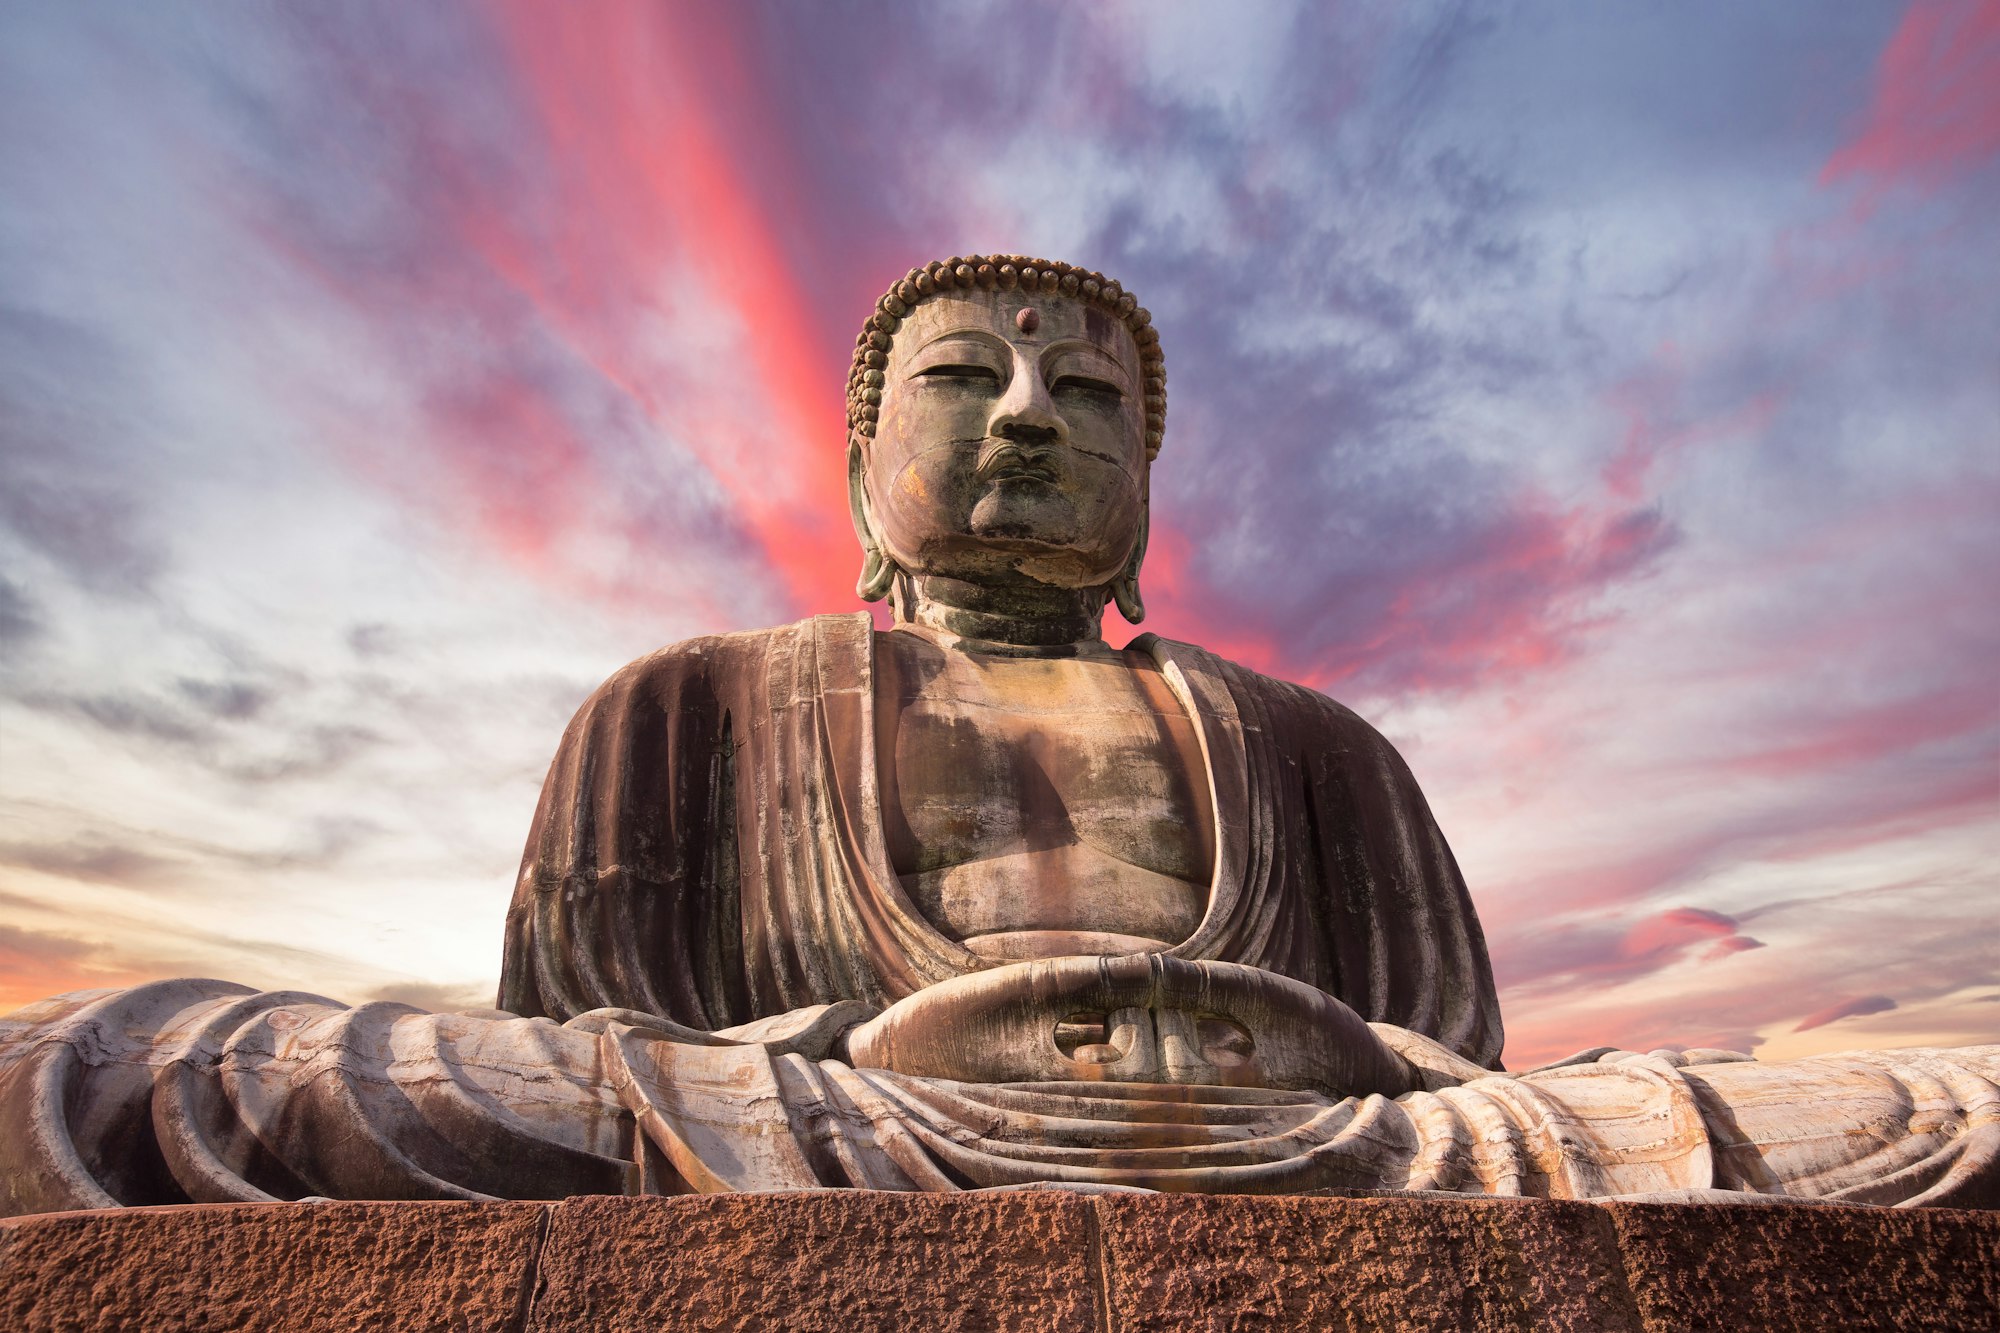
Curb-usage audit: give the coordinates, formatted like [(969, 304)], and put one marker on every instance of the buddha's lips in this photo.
[(1001, 460)]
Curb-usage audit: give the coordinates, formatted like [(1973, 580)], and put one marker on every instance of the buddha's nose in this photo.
[(1026, 414)]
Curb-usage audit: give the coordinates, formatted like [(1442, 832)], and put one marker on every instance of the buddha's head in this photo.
[(1003, 413)]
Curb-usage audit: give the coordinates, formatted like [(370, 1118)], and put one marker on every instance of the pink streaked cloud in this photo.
[(1660, 425), (1935, 112), (634, 116), (647, 211), (1574, 956), (1855, 1008)]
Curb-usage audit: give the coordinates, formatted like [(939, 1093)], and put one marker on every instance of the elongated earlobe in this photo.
[(1125, 588), (878, 571), (1125, 592)]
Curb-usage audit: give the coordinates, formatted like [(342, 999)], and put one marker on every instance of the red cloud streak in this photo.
[(630, 101), (1936, 107)]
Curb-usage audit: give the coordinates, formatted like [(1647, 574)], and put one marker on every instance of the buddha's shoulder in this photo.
[(1283, 707), (717, 660)]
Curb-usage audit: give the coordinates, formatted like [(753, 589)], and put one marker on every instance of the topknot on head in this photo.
[(1004, 273)]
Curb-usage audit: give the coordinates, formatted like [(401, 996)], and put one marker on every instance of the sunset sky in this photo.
[(1603, 400)]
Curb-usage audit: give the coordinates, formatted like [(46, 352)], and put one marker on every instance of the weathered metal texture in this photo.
[(1042, 805), (1006, 482), (1141, 1018), (1327, 866)]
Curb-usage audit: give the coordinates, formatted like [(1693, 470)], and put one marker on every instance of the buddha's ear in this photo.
[(878, 571), (1125, 588)]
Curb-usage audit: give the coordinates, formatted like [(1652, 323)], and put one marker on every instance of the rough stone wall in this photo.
[(1031, 1259)]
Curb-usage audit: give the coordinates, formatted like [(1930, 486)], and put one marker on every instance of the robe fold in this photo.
[(199, 1091), (709, 848)]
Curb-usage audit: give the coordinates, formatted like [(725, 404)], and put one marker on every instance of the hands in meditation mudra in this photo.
[(976, 902)]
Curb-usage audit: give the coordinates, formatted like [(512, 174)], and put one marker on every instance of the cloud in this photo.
[(1865, 1004), (373, 640), (232, 701), (18, 620), (95, 859), (1322, 510), (131, 715), (207, 723), (1608, 952), (434, 997), (628, 396), (21, 946), (1935, 113), (1904, 939), (153, 861), (65, 494), (37, 964)]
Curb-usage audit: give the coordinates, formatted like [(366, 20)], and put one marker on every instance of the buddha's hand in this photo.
[(1142, 1018)]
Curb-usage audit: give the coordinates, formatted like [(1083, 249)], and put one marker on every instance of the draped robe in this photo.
[(706, 903), (709, 848)]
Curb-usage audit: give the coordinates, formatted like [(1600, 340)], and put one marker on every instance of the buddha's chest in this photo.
[(1036, 794), (972, 778)]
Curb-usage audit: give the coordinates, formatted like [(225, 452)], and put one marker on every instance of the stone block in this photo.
[(218, 1268), (1177, 1262), (860, 1261), (1803, 1267), (846, 1262)]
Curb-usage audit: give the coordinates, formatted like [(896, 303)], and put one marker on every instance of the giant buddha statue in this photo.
[(979, 901)]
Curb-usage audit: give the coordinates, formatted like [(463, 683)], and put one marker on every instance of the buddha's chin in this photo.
[(1013, 946), (1024, 509)]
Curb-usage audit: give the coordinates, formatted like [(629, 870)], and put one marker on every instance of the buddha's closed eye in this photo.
[(1085, 384), (957, 371)]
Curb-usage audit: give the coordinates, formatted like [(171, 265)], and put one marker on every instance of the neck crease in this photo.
[(1030, 615)]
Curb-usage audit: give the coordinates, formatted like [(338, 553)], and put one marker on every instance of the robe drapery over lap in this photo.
[(199, 1091), (709, 848)]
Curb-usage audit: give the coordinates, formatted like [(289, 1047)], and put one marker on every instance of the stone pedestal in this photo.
[(1031, 1260)]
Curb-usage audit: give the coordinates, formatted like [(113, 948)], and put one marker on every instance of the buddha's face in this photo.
[(1010, 443)]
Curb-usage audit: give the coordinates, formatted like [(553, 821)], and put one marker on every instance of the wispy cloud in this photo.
[(1935, 111), (1577, 956), (1866, 1004)]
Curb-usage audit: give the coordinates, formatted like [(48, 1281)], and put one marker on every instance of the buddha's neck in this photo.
[(1032, 615)]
